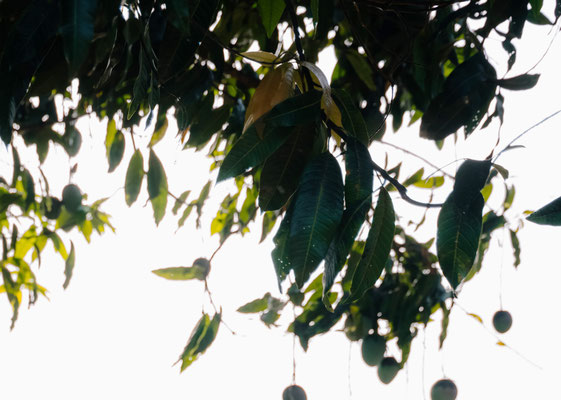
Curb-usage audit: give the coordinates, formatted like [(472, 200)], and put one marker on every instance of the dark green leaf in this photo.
[(282, 170), (280, 257), (457, 238), (251, 150), (471, 178), (157, 186), (358, 198), (377, 248), (212, 121), (116, 151), (352, 119), (134, 177), (210, 334), (521, 82), (141, 84), (77, 28), (69, 266), (302, 109), (463, 101), (550, 214), (271, 12), (318, 208)]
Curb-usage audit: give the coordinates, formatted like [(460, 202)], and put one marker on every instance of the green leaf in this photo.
[(465, 98), (116, 151), (550, 214), (318, 208), (212, 121), (69, 266), (358, 198), (471, 178), (352, 119), (134, 177), (251, 150), (515, 247), (362, 68), (282, 170), (77, 28), (280, 257), (141, 84), (256, 305), (201, 338), (457, 238), (521, 82), (157, 186), (302, 109), (377, 248), (160, 128), (271, 13), (180, 273)]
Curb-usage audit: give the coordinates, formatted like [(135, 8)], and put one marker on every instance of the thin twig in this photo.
[(399, 187), (416, 156), (525, 132)]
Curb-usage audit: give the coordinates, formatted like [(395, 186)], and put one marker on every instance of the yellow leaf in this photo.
[(499, 343), (275, 87), (261, 56), (477, 317)]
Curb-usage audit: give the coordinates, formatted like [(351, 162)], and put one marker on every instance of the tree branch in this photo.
[(398, 186)]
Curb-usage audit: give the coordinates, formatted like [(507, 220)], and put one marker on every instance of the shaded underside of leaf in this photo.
[(457, 238), (282, 170), (377, 247), (78, 17), (550, 214), (318, 208)]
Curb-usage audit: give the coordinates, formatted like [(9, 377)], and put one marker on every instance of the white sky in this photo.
[(117, 329)]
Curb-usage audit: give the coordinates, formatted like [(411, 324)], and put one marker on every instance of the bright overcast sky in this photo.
[(118, 328)]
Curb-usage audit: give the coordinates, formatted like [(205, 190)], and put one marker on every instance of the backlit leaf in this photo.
[(256, 305), (69, 266), (271, 12), (201, 338), (134, 177), (180, 273), (157, 187), (352, 119), (116, 151)]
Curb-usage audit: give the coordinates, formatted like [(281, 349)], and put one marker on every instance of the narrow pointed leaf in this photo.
[(549, 214), (134, 177), (358, 198), (377, 247), (457, 238), (352, 119), (69, 266), (257, 305), (116, 151), (318, 208), (141, 85), (281, 261), (251, 150), (77, 28), (271, 12), (190, 351), (521, 82), (157, 187), (180, 273)]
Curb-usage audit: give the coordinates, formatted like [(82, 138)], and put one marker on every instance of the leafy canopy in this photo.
[(242, 82)]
